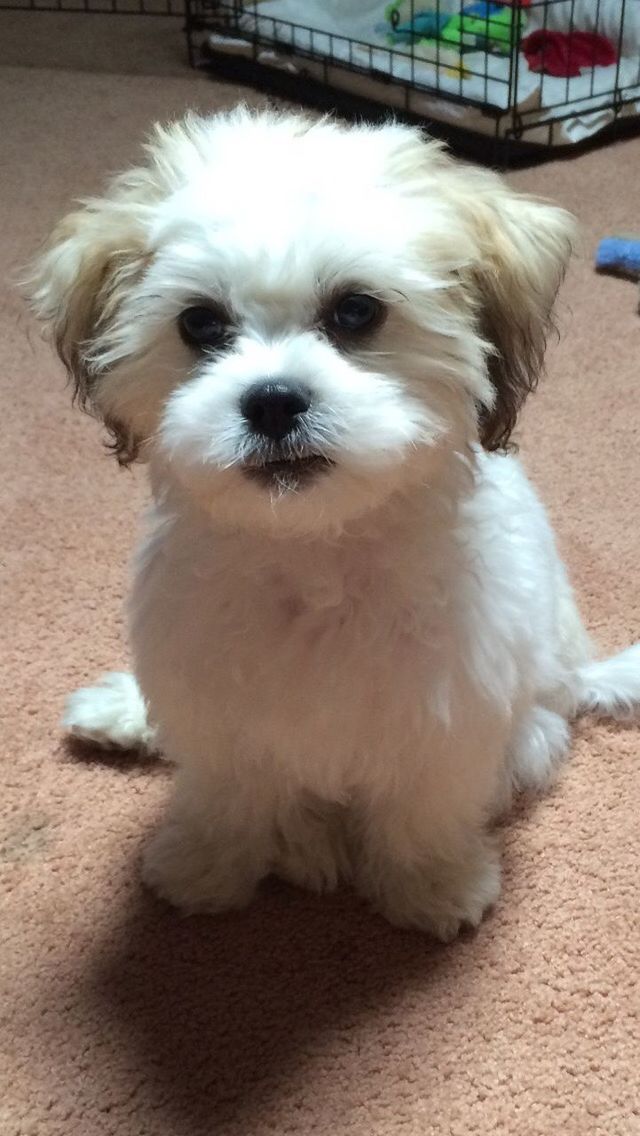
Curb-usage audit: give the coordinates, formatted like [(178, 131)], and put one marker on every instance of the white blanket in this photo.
[(345, 31)]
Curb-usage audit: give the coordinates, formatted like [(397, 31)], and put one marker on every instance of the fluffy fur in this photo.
[(352, 668)]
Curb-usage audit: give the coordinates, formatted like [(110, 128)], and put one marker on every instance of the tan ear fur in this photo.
[(523, 248), (77, 283), (508, 252)]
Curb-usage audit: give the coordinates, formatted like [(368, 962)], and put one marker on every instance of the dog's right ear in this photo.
[(78, 283), (95, 255), (75, 284)]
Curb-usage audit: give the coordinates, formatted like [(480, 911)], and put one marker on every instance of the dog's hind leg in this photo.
[(605, 688), (111, 714), (539, 745)]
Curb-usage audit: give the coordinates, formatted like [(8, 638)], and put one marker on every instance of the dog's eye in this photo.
[(202, 327), (357, 312)]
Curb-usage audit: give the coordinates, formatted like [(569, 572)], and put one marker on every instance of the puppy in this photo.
[(352, 631)]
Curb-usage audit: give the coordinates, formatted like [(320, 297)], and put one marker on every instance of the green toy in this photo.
[(493, 32), (481, 26)]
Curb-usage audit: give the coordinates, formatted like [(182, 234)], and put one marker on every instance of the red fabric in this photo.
[(565, 54)]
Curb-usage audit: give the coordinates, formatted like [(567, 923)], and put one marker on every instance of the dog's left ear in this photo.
[(521, 250)]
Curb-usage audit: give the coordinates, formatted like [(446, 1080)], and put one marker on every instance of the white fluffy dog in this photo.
[(352, 631)]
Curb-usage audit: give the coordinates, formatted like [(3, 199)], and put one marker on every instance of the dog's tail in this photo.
[(111, 714), (610, 688)]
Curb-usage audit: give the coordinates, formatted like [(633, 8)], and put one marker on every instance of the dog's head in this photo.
[(297, 319)]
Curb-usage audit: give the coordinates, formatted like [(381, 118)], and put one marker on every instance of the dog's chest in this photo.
[(322, 655), (283, 636)]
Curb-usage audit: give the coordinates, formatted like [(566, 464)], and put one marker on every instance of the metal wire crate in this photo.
[(351, 54), (486, 87), (100, 7)]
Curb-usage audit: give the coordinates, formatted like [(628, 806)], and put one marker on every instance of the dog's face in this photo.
[(296, 320)]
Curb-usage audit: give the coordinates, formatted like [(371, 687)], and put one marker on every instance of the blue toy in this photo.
[(424, 25), (620, 255), (482, 10)]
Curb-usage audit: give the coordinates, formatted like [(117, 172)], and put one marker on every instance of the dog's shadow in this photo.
[(78, 751), (224, 1019)]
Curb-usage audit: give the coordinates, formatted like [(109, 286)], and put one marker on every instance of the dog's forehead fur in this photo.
[(277, 201), (291, 160)]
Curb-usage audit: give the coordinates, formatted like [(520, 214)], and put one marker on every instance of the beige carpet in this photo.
[(301, 1015)]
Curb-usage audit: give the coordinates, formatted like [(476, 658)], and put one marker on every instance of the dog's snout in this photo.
[(272, 407)]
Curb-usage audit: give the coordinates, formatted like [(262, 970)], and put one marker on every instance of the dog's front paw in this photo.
[(313, 869), (438, 897), (112, 713), (194, 874), (312, 851)]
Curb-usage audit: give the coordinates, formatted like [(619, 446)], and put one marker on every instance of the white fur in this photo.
[(110, 714), (351, 676)]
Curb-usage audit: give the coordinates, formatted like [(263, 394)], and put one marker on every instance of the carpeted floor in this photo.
[(300, 1015)]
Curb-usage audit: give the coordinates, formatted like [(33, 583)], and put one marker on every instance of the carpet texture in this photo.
[(300, 1015)]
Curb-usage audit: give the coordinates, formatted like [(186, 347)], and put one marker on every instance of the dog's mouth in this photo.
[(288, 473)]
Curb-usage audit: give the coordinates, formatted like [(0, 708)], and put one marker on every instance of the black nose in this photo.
[(273, 407)]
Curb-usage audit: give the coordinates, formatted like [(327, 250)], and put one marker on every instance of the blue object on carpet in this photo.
[(619, 254)]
